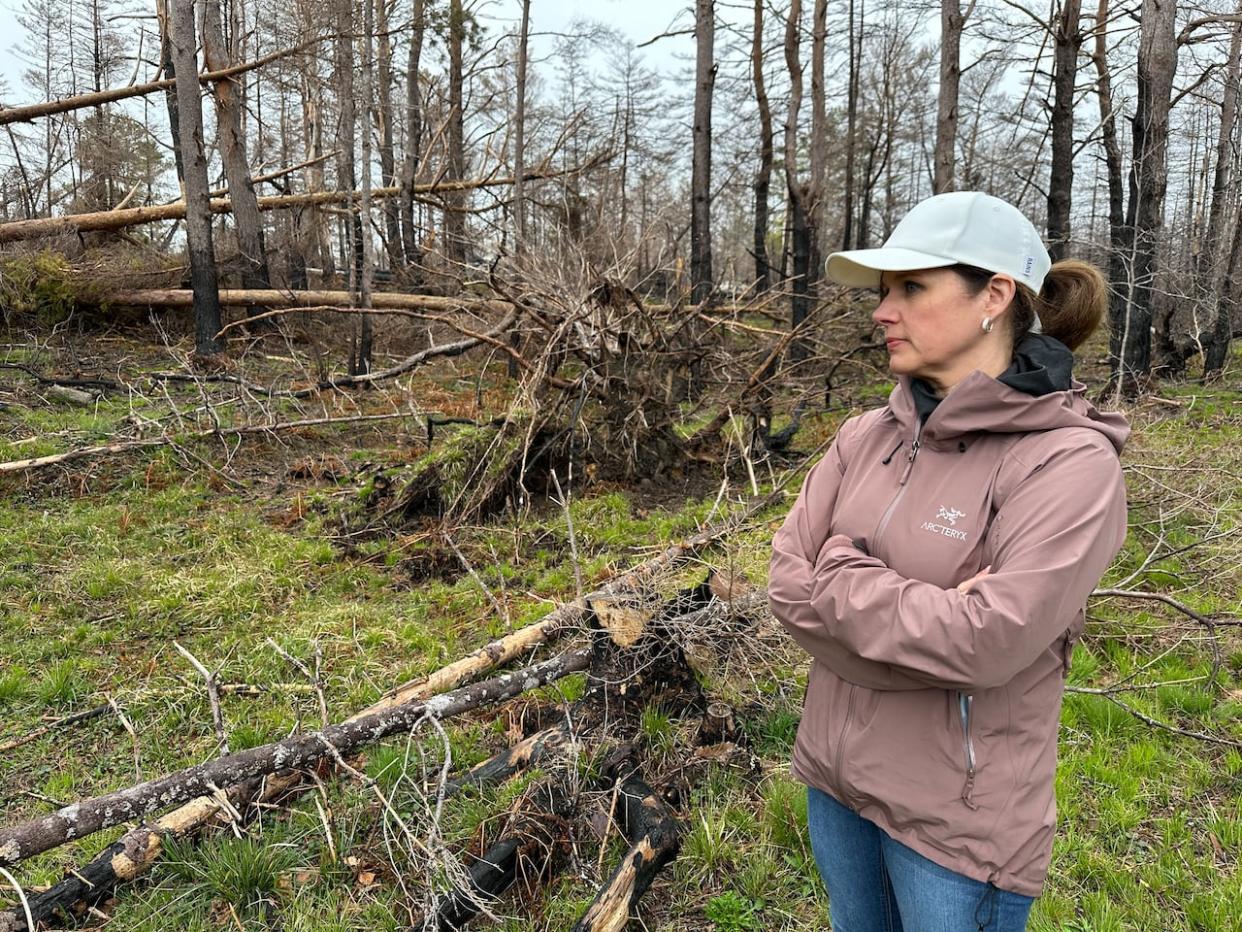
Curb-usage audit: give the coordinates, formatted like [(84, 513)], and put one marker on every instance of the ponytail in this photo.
[(1070, 305)]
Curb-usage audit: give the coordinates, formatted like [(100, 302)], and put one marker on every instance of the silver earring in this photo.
[(987, 325)]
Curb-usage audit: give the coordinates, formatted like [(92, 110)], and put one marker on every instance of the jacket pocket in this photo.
[(965, 708)]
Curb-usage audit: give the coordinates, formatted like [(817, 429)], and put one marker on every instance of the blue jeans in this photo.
[(876, 884)]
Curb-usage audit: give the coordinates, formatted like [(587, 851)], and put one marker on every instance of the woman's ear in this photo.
[(999, 295)]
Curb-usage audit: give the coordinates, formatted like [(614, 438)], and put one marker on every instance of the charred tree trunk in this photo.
[(1157, 62), (169, 68), (701, 169), (413, 136), (951, 23), (232, 145), (763, 175), (454, 214), (798, 193), (1117, 233), (654, 834), (1216, 340), (1061, 183), (851, 123), (197, 207), (817, 190), (393, 243)]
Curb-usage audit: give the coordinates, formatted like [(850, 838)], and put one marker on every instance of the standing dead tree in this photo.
[(197, 207)]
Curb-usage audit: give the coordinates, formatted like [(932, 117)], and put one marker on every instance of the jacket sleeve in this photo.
[(791, 575), (1053, 538)]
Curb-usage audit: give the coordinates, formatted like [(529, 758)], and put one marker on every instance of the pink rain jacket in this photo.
[(932, 713)]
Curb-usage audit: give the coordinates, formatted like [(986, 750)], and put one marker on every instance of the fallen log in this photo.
[(96, 98), (135, 216), (27, 839), (531, 848), (279, 298), (136, 852), (654, 833)]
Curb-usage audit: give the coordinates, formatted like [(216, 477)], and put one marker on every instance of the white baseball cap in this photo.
[(967, 227)]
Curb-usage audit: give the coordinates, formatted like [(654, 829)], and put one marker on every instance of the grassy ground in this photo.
[(103, 566)]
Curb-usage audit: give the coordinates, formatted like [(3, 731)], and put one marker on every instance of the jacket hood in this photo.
[(1025, 398)]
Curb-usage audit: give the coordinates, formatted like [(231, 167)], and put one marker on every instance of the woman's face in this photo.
[(933, 325)]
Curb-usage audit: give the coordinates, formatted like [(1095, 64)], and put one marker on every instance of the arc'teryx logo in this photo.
[(950, 515)]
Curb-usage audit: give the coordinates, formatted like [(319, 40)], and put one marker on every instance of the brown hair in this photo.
[(1071, 304)]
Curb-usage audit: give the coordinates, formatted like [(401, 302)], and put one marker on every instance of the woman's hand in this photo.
[(965, 586)]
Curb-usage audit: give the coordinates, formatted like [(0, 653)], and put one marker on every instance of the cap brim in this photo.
[(861, 268)]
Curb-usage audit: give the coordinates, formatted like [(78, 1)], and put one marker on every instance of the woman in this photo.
[(936, 565)]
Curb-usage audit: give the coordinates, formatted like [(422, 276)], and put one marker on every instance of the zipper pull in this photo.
[(969, 789), (914, 451)]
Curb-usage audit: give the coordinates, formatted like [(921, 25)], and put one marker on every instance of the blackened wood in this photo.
[(22, 841), (654, 833), (526, 753)]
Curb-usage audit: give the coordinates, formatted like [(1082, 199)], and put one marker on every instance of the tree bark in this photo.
[(701, 160), (1117, 233), (817, 192), (1061, 182), (1157, 63), (454, 215), (168, 85), (851, 121), (363, 228), (654, 834), (800, 231), (197, 204), (393, 242), (763, 174), (413, 136), (1209, 277), (232, 145), (951, 23)]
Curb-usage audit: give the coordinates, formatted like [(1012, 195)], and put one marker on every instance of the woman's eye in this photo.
[(911, 287)]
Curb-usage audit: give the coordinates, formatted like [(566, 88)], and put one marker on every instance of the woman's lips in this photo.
[(893, 342)]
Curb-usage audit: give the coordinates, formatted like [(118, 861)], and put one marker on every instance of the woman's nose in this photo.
[(883, 313)]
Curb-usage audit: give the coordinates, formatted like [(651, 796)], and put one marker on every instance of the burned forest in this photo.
[(398, 399)]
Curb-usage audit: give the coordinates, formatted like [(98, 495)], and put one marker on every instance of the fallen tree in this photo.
[(29, 112), (27, 839), (135, 216)]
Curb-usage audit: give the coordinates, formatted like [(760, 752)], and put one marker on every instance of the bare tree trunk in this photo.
[(197, 208), (763, 175), (383, 119), (1061, 182), (1117, 234), (701, 169), (817, 194), (363, 229), (1157, 63), (454, 214), (346, 163), (951, 22), (1216, 344), (799, 228), (232, 145), (413, 134), (169, 68), (519, 165), (312, 115), (851, 122)]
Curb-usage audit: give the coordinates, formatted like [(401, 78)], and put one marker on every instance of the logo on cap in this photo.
[(1028, 265)]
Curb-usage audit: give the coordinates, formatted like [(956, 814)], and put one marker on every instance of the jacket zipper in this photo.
[(905, 474), (879, 529), (849, 715), (965, 705)]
